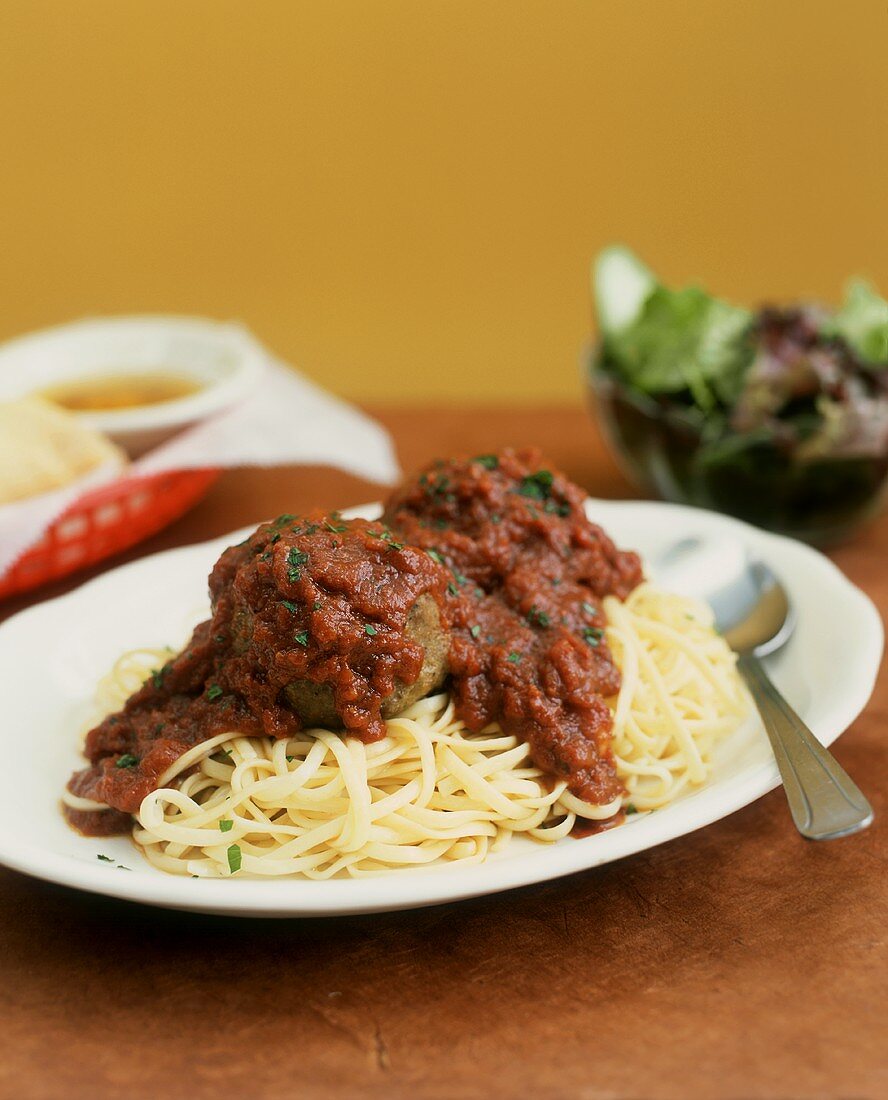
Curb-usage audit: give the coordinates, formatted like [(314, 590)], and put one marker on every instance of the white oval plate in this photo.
[(53, 654)]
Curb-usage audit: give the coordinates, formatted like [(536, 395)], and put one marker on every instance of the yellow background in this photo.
[(402, 196)]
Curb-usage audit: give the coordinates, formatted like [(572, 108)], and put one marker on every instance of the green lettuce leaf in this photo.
[(863, 322), (684, 340), (621, 284)]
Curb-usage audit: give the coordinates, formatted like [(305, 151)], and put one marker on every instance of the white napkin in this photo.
[(287, 421)]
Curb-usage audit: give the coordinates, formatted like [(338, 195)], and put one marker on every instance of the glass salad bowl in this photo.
[(673, 452), (777, 415)]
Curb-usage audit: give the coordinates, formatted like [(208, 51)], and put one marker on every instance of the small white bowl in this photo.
[(223, 359)]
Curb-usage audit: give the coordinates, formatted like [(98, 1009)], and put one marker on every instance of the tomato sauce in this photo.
[(528, 572), (323, 601), (499, 546)]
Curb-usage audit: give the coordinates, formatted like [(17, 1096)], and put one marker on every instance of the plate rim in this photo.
[(256, 897)]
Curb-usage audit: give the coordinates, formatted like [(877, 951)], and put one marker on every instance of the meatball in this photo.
[(315, 702), (337, 620)]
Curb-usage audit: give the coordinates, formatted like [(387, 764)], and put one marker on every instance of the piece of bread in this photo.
[(43, 447)]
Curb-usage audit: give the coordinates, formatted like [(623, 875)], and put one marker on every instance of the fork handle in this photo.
[(824, 801)]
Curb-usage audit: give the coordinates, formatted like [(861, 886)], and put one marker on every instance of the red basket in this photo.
[(105, 521)]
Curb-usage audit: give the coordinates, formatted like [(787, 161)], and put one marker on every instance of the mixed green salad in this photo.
[(808, 380), (776, 415)]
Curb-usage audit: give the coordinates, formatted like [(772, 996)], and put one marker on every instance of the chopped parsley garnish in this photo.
[(283, 520), (514, 657), (234, 858), (556, 509), (489, 462), (588, 608), (370, 629), (388, 537), (438, 487), (461, 578), (336, 528), (435, 556), (630, 809), (290, 759), (495, 518), (226, 825), (301, 637), (316, 606), (214, 692), (538, 618), (593, 635), (104, 859), (157, 675), (290, 606), (452, 589), (475, 631), (219, 639), (295, 560), (127, 761), (537, 486), (274, 538)]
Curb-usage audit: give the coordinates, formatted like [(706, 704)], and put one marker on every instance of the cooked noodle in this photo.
[(680, 695), (321, 805)]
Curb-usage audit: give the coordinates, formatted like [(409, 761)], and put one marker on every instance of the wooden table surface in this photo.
[(739, 962)]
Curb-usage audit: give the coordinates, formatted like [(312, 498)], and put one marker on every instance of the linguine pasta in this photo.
[(321, 805)]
